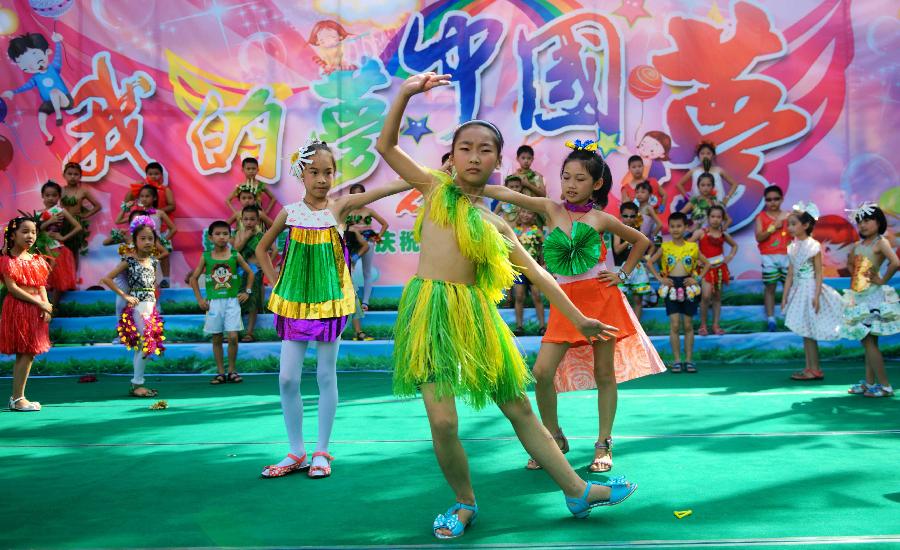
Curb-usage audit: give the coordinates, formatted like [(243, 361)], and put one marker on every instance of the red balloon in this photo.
[(644, 82), (6, 153)]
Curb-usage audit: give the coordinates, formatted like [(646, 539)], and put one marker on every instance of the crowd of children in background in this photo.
[(690, 267)]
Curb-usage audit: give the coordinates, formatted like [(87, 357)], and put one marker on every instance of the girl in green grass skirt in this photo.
[(450, 339)]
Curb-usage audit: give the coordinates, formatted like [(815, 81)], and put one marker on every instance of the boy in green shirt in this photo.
[(224, 296)]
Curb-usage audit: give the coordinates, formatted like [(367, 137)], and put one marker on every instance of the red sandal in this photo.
[(300, 464), (321, 472), (808, 374)]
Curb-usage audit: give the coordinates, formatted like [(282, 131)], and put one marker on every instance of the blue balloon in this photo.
[(3, 110)]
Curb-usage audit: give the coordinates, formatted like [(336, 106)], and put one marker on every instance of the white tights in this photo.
[(367, 260), (292, 354), (143, 308)]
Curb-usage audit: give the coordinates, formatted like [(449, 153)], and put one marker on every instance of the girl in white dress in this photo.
[(811, 309)]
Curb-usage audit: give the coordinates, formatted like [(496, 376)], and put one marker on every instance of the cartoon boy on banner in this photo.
[(31, 53)]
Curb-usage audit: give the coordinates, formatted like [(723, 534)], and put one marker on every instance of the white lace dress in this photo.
[(799, 315)]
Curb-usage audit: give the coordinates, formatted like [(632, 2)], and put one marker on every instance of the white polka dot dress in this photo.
[(799, 315)]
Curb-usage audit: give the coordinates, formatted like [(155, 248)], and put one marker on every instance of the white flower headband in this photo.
[(303, 156), (864, 209), (808, 207)]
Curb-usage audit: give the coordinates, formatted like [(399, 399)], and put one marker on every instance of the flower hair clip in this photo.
[(139, 221), (303, 156), (586, 145), (808, 207), (864, 209)]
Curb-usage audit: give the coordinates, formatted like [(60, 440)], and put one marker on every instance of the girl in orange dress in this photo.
[(25, 321), (574, 251)]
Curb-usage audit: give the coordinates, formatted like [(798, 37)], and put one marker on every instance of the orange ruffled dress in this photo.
[(21, 328), (576, 260)]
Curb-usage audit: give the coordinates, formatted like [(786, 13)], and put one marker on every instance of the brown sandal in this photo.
[(808, 374), (602, 464), (218, 379), (561, 442)]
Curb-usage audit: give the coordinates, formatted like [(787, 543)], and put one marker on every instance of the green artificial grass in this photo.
[(755, 457)]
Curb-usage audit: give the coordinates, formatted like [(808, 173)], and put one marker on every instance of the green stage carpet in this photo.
[(760, 460)]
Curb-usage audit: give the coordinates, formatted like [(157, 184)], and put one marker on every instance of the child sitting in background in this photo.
[(638, 284), (509, 212), (532, 238), (635, 176), (712, 239), (357, 245), (245, 240), (51, 241), (648, 221), (250, 168), (681, 261)]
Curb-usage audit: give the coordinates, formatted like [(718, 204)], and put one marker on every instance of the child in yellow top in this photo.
[(682, 267)]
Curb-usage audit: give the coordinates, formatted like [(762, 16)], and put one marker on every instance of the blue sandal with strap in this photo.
[(450, 521), (620, 490)]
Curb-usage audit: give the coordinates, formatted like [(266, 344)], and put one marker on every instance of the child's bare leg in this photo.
[(548, 359), (164, 265), (21, 368), (874, 362), (539, 444), (251, 321), (218, 352), (357, 326), (811, 347), (232, 350), (607, 390), (55, 295), (538, 306), (717, 306), (637, 305), (769, 299), (705, 295), (519, 303), (451, 456), (688, 337), (675, 336)]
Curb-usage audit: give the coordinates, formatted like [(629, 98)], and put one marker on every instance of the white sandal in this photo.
[(33, 406)]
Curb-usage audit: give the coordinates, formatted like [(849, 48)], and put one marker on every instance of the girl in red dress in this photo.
[(25, 320), (712, 239), (51, 241)]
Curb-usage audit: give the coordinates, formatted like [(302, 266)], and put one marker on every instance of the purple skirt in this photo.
[(310, 330)]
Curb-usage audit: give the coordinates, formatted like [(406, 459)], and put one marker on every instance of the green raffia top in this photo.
[(478, 240), (570, 256)]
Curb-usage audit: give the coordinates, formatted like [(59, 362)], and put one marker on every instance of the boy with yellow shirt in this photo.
[(682, 265)]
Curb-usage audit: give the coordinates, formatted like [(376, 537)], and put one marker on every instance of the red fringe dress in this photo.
[(62, 274), (22, 331), (713, 249)]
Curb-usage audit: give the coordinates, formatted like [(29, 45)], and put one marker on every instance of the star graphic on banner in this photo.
[(632, 10), (607, 143), (417, 128)]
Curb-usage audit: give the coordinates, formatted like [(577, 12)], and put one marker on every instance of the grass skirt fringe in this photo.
[(450, 334)]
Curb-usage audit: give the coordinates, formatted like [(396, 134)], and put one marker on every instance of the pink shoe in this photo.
[(321, 472), (299, 465), (702, 331), (718, 331)]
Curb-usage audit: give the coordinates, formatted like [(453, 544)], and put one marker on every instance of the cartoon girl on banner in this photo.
[(326, 38), (31, 53)]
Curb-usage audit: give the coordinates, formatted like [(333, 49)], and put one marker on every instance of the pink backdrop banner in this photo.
[(801, 94)]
